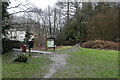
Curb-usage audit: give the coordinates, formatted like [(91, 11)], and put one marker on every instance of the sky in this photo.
[(43, 4), (38, 3)]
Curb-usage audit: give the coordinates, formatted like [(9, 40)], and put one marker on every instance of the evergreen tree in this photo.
[(5, 17), (27, 36)]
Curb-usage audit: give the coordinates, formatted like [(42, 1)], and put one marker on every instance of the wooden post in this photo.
[(29, 49), (29, 52), (46, 44)]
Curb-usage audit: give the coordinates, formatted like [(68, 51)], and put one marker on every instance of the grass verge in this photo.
[(34, 68), (90, 63), (58, 48), (62, 48), (0, 67)]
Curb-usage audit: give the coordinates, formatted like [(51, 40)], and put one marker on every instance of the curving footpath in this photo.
[(59, 61)]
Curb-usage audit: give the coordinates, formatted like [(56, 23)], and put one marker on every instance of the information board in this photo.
[(50, 43)]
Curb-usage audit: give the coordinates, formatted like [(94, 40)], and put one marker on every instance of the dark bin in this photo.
[(30, 44)]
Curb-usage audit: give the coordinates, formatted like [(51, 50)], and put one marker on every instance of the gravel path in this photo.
[(59, 61), (34, 51), (74, 48)]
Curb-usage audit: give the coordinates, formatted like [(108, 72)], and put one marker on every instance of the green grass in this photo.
[(0, 67), (90, 63), (34, 68), (61, 48), (64, 48)]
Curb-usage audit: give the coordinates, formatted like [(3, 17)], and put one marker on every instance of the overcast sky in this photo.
[(38, 3)]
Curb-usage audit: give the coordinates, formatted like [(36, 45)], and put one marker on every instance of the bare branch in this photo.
[(20, 12), (18, 6)]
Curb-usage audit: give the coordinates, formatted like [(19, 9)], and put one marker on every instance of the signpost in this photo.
[(50, 43)]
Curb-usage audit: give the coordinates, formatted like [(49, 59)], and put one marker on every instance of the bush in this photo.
[(6, 45), (88, 44), (100, 44), (21, 58)]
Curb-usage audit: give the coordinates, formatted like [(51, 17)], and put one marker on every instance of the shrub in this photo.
[(100, 44), (21, 58), (88, 44), (96, 46), (6, 45)]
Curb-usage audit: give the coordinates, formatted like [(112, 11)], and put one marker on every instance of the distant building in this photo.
[(18, 35)]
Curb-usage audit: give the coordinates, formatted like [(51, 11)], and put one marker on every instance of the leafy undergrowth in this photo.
[(100, 44), (33, 68), (21, 58), (90, 63)]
